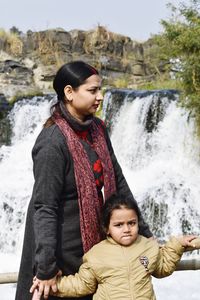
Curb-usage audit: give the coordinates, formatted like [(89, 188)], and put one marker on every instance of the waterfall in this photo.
[(155, 143), (160, 159), (26, 117)]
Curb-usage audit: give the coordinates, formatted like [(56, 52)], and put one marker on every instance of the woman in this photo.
[(73, 160)]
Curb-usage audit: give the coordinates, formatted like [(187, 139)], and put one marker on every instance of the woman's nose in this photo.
[(99, 96)]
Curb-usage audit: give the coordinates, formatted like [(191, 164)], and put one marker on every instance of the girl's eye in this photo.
[(118, 225), (132, 223)]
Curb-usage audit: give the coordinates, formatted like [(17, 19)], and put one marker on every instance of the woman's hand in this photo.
[(43, 287)]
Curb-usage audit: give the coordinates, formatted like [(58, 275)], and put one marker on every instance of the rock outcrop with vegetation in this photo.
[(28, 62)]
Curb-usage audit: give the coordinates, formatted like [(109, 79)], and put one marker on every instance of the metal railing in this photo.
[(188, 264), (184, 265), (8, 277)]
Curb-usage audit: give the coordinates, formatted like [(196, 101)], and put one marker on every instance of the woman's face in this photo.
[(84, 100), (123, 227)]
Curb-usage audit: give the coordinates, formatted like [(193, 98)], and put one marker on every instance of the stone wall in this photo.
[(28, 63)]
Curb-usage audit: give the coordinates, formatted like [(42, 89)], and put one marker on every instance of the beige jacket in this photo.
[(115, 272)]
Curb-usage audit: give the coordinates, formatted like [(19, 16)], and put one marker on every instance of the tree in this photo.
[(180, 42), (15, 30)]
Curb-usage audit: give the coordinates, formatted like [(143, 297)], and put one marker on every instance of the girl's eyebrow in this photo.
[(130, 220), (117, 222)]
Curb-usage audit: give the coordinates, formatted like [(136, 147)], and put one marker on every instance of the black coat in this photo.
[(54, 201)]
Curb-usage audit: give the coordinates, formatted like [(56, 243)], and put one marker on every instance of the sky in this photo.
[(138, 19)]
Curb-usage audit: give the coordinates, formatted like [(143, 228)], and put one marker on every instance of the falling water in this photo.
[(159, 155), (16, 181), (161, 164)]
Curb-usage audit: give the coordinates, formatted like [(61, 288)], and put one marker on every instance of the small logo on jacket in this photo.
[(144, 261)]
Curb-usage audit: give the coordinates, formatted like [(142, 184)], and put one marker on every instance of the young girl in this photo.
[(121, 266)]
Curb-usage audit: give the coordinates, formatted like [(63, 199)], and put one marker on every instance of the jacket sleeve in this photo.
[(82, 283), (122, 186), (48, 169), (169, 256)]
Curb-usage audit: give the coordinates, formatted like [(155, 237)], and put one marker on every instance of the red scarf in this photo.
[(89, 204)]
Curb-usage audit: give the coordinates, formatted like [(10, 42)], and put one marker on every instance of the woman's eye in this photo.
[(92, 91)]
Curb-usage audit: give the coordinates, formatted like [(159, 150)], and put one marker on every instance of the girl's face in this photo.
[(123, 227), (84, 100)]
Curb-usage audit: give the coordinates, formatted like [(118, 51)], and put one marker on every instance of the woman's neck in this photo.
[(75, 122), (78, 117)]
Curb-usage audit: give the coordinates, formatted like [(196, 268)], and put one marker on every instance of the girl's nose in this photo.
[(126, 228)]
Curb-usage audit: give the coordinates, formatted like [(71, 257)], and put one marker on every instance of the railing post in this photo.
[(8, 277), (188, 264)]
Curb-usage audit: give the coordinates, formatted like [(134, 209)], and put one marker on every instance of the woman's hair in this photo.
[(74, 73), (117, 201)]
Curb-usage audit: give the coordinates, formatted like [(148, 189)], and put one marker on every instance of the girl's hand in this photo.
[(185, 240), (43, 287)]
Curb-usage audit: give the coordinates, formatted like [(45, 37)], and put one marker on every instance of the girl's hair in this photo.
[(117, 201), (73, 73)]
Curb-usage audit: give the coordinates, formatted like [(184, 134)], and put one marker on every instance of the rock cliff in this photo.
[(28, 62)]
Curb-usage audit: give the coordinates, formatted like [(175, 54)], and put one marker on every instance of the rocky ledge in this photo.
[(28, 62)]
